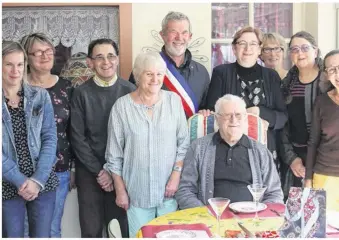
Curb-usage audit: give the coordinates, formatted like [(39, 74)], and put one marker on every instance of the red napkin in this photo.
[(150, 231), (265, 213)]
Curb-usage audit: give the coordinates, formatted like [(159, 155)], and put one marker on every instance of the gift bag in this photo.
[(305, 214)]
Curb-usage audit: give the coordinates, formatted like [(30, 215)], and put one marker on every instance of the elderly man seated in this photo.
[(222, 164)]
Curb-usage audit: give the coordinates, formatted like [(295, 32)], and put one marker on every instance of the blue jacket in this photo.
[(41, 136)]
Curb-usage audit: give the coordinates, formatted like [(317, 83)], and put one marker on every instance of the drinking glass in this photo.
[(218, 205), (257, 191)]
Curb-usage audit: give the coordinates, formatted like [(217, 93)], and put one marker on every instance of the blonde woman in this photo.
[(29, 143), (273, 53)]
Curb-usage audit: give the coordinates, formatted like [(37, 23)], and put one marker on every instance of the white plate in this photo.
[(176, 234), (247, 207), (332, 219)]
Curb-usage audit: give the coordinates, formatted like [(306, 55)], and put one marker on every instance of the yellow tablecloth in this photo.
[(201, 215)]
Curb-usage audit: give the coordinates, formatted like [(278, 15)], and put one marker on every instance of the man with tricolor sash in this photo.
[(188, 78)]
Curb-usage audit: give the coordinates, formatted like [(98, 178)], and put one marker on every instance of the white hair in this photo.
[(176, 16), (145, 61), (229, 98)]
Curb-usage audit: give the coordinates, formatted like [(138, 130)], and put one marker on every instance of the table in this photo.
[(270, 221)]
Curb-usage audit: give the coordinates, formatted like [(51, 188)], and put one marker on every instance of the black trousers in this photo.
[(96, 207)]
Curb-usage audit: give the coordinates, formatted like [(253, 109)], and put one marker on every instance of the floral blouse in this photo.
[(25, 162), (61, 94)]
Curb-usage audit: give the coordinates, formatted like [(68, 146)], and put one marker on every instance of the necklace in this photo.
[(144, 105)]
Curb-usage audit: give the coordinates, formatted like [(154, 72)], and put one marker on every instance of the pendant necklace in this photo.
[(144, 105)]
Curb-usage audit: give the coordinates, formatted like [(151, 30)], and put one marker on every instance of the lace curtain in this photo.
[(72, 27)]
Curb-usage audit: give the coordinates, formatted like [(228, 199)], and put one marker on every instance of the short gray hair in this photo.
[(9, 47), (229, 98), (146, 60), (176, 16)]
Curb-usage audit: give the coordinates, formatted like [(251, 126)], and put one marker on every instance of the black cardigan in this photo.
[(224, 81)]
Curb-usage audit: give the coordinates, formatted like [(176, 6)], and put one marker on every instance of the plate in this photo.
[(332, 219), (247, 207), (176, 234)]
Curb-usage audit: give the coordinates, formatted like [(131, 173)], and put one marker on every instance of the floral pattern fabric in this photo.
[(61, 94)]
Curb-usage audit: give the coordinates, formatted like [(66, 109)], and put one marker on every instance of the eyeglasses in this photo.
[(275, 49), (110, 58), (332, 70), (48, 51), (228, 116), (304, 48), (244, 44)]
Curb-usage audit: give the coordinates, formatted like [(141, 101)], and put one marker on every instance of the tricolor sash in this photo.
[(175, 82)]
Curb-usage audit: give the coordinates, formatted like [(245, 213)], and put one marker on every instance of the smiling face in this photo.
[(247, 49), (104, 61), (272, 55), (332, 70), (151, 79), (176, 37), (232, 120), (303, 59), (13, 67), (41, 57)]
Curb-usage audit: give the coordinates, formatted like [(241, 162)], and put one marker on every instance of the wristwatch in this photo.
[(177, 168)]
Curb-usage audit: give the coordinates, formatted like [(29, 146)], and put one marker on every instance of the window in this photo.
[(228, 18)]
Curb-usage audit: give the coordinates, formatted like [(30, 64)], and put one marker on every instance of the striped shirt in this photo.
[(143, 150)]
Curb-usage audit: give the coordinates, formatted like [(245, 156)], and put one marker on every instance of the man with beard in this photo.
[(184, 76)]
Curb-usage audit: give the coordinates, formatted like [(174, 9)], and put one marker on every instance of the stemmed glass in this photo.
[(219, 205), (257, 191)]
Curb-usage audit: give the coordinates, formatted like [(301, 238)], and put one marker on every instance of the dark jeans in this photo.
[(96, 207), (39, 211)]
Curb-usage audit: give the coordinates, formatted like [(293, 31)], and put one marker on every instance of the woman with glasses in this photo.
[(258, 86), (322, 165), (300, 87), (29, 142), (40, 52), (273, 51)]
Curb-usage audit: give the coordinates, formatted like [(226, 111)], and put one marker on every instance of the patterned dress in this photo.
[(60, 95), (25, 162)]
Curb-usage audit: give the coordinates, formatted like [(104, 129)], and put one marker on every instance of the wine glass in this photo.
[(257, 190), (218, 205)]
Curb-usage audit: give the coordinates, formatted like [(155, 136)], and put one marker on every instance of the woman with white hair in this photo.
[(29, 143), (147, 142)]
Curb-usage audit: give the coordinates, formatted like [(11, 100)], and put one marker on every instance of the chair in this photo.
[(114, 230), (200, 126)]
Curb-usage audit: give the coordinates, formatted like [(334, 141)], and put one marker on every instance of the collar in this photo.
[(187, 59), (244, 140), (102, 83), (247, 71)]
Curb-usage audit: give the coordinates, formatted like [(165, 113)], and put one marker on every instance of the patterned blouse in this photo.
[(25, 162), (61, 94)]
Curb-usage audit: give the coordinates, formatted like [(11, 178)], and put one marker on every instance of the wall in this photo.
[(148, 16)]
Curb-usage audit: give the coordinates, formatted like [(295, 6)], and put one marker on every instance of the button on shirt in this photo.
[(232, 171)]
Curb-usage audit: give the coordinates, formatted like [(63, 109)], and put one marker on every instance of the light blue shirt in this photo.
[(143, 150)]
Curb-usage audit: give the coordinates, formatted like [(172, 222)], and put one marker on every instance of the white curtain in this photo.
[(71, 26)]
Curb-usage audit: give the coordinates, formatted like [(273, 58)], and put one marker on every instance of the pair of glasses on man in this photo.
[(275, 49), (101, 58), (39, 53), (244, 44), (304, 48), (332, 70), (228, 116)]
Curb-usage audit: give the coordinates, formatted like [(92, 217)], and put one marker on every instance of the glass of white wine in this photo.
[(219, 205)]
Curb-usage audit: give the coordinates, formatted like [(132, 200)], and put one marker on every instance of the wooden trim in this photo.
[(125, 27)]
